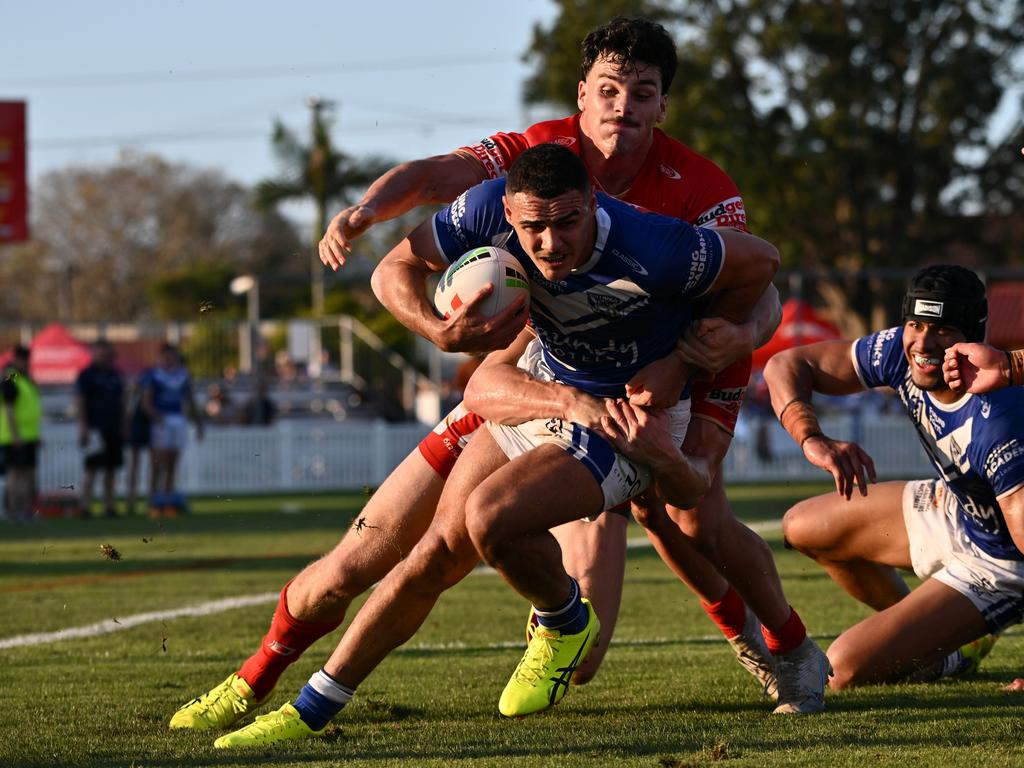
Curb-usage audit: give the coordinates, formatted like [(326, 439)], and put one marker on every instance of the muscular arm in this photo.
[(1012, 506), (501, 392), (750, 264), (399, 284), (713, 343), (826, 367), (438, 179)]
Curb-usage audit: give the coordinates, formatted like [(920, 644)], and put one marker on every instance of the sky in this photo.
[(201, 82)]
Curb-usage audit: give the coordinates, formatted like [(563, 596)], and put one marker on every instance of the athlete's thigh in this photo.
[(393, 520), (869, 528), (543, 488), (481, 459), (927, 624)]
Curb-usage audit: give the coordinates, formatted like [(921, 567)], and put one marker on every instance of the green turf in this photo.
[(668, 695)]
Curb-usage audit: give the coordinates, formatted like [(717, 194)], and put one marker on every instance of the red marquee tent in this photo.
[(56, 357), (801, 324)]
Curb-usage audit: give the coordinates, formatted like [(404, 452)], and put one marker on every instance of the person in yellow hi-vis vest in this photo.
[(21, 416)]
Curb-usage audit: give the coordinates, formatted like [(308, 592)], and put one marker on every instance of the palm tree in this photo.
[(318, 171)]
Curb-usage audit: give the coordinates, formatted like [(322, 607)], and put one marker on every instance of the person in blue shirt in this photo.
[(167, 400), (962, 531)]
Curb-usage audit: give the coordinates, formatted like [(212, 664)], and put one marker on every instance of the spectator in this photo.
[(137, 430), (21, 416), (259, 409), (166, 396), (220, 408), (99, 404)]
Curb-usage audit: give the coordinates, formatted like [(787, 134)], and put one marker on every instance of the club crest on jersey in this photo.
[(606, 306), (955, 444), (926, 308)]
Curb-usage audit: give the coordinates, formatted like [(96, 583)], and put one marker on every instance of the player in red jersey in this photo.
[(621, 101)]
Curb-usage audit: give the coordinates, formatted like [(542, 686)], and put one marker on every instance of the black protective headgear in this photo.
[(948, 295)]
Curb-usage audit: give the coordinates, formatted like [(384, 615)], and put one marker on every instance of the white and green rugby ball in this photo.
[(475, 269)]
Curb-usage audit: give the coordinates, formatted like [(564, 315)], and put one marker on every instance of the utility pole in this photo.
[(318, 158)]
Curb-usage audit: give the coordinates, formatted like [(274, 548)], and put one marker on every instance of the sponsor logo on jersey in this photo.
[(564, 141), (729, 399), (458, 213), (698, 263), (490, 158), (926, 308), (629, 261), (1001, 455), (878, 346), (669, 171), (728, 213)]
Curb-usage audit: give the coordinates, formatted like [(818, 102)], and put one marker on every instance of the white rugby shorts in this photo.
[(620, 478), (941, 549), (170, 434)]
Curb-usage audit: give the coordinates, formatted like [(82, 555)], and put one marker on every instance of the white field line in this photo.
[(108, 626)]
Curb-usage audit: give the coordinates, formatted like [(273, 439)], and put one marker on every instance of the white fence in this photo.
[(299, 455)]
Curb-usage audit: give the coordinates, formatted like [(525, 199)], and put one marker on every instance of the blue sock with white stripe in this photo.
[(570, 618), (321, 699)]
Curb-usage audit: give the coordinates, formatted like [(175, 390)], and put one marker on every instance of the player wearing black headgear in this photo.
[(961, 532), (947, 294)]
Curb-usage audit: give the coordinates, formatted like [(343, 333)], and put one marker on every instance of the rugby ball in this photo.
[(473, 270)]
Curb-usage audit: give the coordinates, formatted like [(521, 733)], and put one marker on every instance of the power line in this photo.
[(79, 142), (175, 76)]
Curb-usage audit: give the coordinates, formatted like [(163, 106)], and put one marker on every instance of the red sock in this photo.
[(284, 642), (787, 637), (729, 613)]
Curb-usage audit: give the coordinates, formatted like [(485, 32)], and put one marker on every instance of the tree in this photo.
[(320, 172), (858, 130), (107, 238)]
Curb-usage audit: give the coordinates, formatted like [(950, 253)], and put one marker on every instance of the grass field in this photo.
[(669, 693)]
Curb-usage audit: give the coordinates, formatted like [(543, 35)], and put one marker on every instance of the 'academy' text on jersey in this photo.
[(608, 319), (973, 443)]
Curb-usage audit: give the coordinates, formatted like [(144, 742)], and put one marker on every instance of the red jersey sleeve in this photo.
[(719, 399), (496, 153)]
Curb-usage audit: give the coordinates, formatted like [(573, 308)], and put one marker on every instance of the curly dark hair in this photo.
[(628, 43)]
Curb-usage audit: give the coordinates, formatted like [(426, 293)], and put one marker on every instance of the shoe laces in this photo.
[(223, 693), (539, 653)]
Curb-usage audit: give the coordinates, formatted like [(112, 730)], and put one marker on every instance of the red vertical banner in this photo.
[(13, 176)]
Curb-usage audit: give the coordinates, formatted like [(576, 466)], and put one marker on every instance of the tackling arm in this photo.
[(750, 264), (438, 179), (503, 393)]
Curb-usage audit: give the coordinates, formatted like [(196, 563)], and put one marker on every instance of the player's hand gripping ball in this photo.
[(473, 270)]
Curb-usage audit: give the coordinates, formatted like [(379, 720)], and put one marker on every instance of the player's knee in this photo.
[(798, 526), (485, 521), (845, 672), (433, 566)]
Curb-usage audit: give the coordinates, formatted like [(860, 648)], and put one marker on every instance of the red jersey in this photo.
[(673, 181)]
